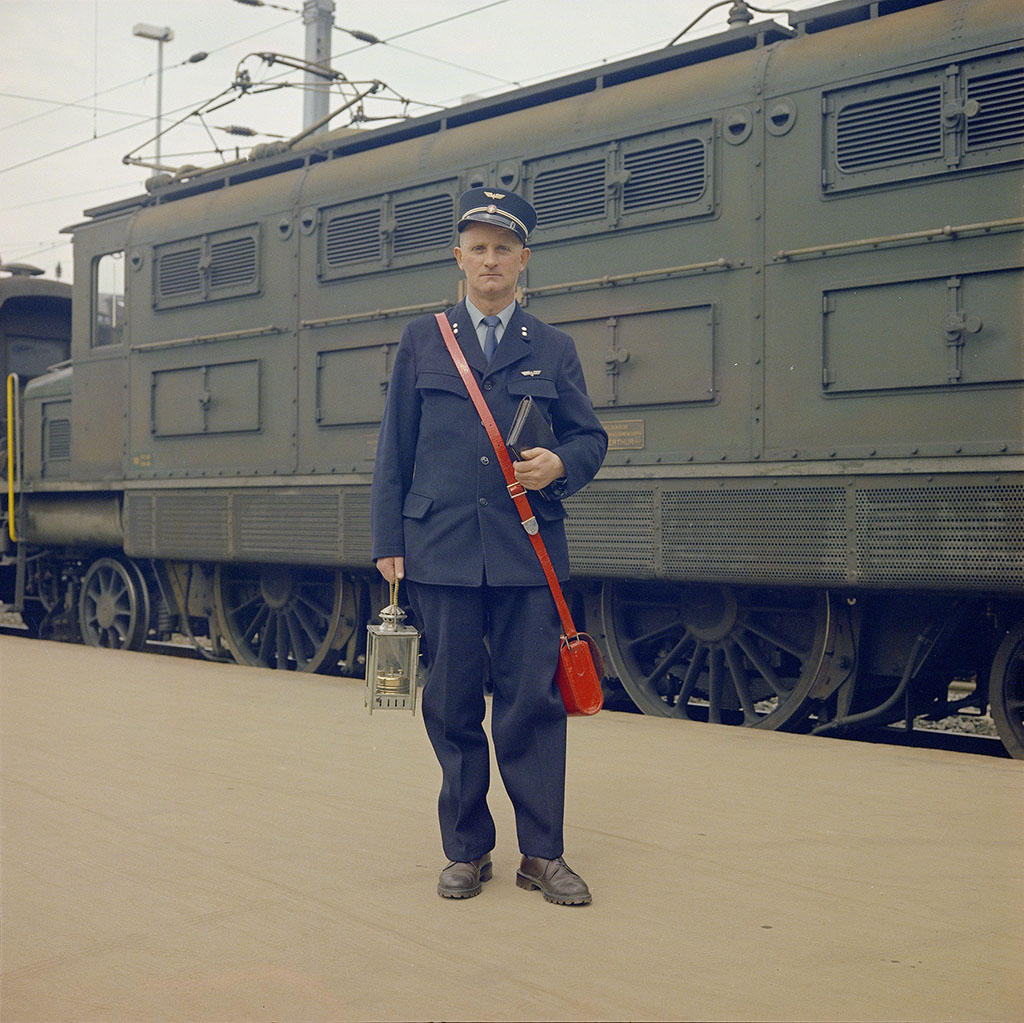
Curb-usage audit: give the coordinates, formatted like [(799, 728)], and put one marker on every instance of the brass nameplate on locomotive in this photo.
[(625, 434)]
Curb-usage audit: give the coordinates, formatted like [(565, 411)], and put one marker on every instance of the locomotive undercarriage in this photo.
[(813, 659), (800, 659)]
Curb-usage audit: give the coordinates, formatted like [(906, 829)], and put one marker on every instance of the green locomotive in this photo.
[(790, 255)]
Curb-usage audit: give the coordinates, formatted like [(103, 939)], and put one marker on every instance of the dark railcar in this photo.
[(791, 258)]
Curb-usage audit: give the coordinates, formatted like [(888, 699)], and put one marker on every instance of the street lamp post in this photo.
[(160, 36)]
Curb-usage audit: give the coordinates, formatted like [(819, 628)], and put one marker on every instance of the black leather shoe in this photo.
[(557, 881), (464, 880)]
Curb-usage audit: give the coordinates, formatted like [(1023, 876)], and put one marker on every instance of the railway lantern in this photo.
[(392, 656)]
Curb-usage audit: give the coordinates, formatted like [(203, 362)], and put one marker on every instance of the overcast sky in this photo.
[(78, 89)]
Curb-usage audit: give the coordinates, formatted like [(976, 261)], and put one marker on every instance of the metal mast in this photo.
[(318, 17)]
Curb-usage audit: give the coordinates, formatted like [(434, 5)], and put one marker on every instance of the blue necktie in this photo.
[(491, 337)]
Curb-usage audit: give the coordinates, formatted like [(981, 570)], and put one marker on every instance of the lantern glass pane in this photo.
[(392, 660)]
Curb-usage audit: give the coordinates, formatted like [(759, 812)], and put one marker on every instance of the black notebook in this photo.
[(529, 430)]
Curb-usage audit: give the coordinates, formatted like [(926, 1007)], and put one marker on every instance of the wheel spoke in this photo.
[(298, 640), (739, 681), (282, 640), (777, 641), (258, 623), (757, 661), (658, 633), (715, 687), (669, 660), (309, 627), (693, 671)]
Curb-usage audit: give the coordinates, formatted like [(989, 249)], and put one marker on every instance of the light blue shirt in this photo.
[(481, 328)]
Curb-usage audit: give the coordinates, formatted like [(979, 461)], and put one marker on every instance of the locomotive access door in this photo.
[(213, 349), (894, 280)]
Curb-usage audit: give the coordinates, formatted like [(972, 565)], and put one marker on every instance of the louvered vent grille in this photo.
[(424, 224), (891, 129), (756, 534), (287, 526), (179, 273), (354, 238), (139, 539), (58, 439), (233, 262), (191, 525), (599, 544), (566, 194), (1000, 117), (661, 177), (955, 534), (355, 530)]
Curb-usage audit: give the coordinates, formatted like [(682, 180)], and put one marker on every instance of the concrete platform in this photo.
[(193, 841)]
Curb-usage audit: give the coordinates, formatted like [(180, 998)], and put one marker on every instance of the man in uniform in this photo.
[(442, 519)]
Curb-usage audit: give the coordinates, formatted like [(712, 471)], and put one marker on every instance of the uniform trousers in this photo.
[(528, 720)]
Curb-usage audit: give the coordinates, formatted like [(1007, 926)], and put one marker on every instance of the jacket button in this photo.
[(483, 501), (484, 460), (488, 384)]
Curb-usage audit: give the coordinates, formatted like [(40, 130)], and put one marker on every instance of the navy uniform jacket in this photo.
[(439, 496)]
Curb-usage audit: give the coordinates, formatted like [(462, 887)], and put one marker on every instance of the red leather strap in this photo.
[(515, 489)]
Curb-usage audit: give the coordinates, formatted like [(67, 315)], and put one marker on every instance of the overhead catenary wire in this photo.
[(95, 137)]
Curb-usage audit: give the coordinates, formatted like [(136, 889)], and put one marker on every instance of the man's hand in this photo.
[(538, 468), (391, 568)]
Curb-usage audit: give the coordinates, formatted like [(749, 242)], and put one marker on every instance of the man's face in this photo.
[(492, 259)]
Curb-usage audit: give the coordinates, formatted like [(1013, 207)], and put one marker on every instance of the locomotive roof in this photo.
[(345, 142)]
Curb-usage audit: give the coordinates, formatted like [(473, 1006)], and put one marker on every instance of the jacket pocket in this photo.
[(536, 387), (451, 383), (416, 505)]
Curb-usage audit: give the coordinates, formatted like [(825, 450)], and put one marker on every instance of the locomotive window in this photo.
[(932, 122), (108, 305)]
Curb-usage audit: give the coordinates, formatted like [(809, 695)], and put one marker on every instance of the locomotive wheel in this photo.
[(1006, 691), (113, 605), (280, 616), (717, 653)]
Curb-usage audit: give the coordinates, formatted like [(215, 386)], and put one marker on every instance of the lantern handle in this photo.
[(394, 592)]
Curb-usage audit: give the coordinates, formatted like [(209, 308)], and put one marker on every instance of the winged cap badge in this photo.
[(495, 195)]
